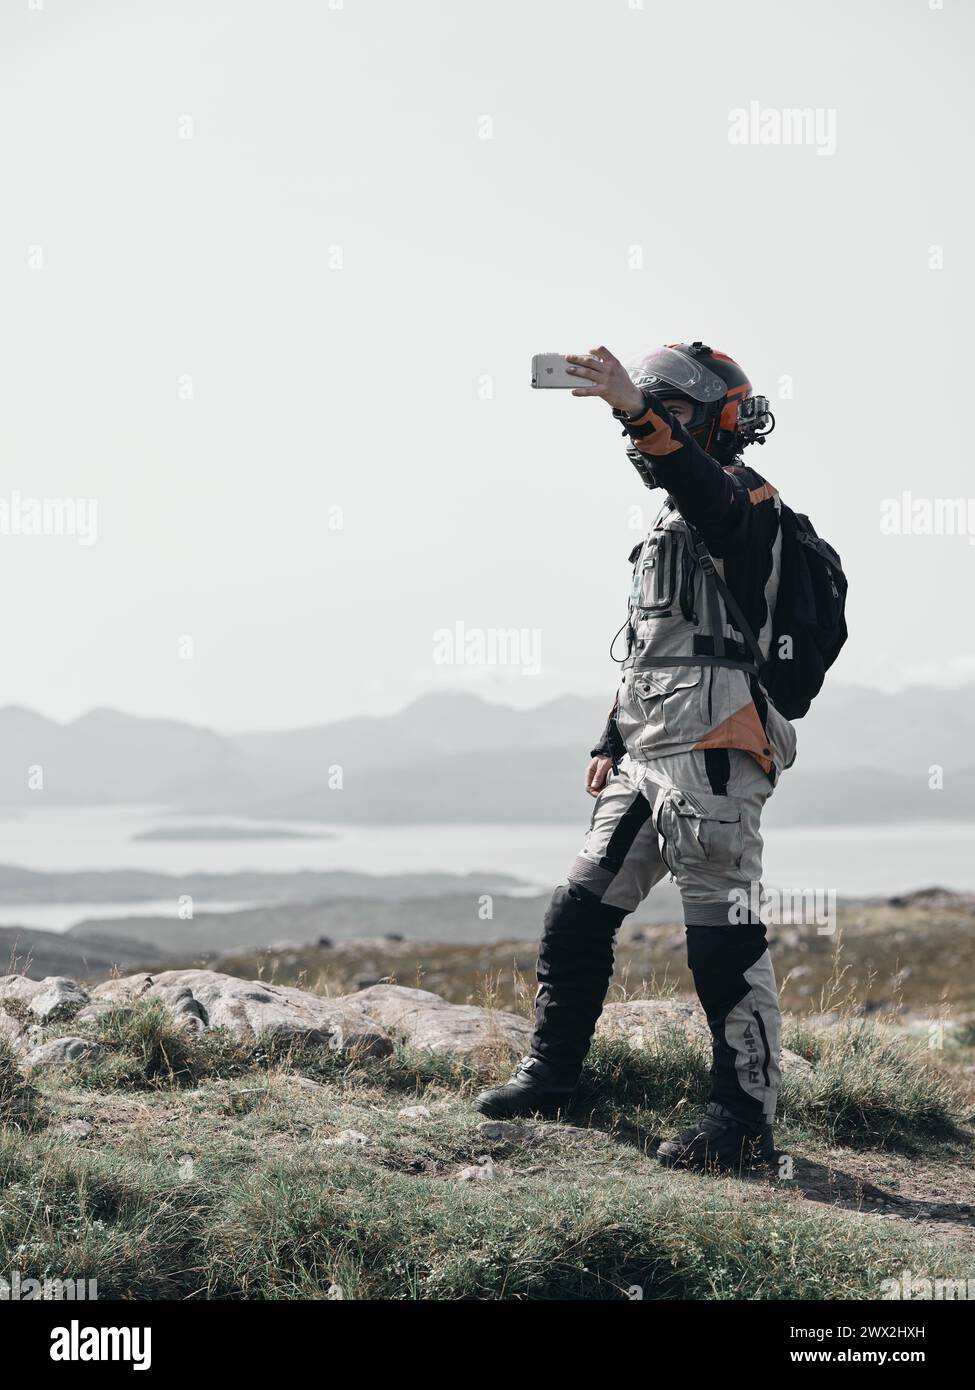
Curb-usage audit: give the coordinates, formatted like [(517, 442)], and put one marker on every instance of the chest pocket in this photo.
[(657, 572)]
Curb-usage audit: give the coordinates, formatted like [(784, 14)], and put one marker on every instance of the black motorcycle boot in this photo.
[(721, 1143), (575, 965), (534, 1089)]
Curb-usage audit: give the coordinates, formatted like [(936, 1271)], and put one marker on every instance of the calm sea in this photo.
[(854, 860)]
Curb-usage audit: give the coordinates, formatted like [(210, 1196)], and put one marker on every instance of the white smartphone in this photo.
[(549, 370)]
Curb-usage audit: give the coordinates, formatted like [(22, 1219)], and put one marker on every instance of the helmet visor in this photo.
[(671, 367)]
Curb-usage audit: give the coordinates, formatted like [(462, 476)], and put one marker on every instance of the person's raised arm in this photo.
[(704, 493)]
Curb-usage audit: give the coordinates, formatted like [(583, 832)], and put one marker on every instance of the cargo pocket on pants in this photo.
[(700, 831)]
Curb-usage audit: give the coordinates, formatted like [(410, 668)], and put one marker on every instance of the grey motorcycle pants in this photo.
[(697, 816)]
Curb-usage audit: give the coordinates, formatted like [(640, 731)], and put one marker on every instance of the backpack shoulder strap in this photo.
[(714, 582)]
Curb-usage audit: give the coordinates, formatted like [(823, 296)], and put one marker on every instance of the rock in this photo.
[(188, 1013), (304, 1083), (481, 1171), (18, 989), (124, 991), (356, 1022), (413, 1112), (62, 1052), (347, 1139), (503, 1130), (570, 1134), (648, 1022), (76, 1129), (57, 999), (250, 1008), (10, 1029), (644, 1022), (426, 1021)]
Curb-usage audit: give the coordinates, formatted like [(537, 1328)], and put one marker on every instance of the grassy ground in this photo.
[(197, 1169)]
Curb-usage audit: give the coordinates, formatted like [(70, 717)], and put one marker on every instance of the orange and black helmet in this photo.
[(722, 423)]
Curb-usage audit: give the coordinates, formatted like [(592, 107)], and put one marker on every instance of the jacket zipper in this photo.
[(663, 558)]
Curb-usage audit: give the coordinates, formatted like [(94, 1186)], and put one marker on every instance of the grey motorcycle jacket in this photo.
[(688, 680)]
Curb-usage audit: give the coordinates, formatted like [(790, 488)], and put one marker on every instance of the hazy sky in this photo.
[(349, 280)]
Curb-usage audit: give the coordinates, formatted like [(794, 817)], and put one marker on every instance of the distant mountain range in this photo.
[(864, 756)]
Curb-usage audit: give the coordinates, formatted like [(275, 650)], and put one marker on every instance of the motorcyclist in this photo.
[(691, 751)]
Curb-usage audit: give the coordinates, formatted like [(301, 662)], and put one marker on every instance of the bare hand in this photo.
[(607, 377), (597, 775)]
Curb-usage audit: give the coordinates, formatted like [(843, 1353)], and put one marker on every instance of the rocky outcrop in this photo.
[(61, 1052), (649, 1022), (28, 1006), (17, 989), (250, 1009), (479, 1036), (359, 1023), (10, 1029), (57, 999)]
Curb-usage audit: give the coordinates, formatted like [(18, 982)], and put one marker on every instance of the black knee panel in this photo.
[(575, 965), (578, 932), (718, 958), (574, 907)]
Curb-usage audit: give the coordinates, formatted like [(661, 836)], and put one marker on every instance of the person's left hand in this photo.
[(606, 377)]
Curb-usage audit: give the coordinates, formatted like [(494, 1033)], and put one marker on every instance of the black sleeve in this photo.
[(611, 743), (704, 493)]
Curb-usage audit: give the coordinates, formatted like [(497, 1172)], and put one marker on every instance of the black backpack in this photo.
[(809, 623)]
